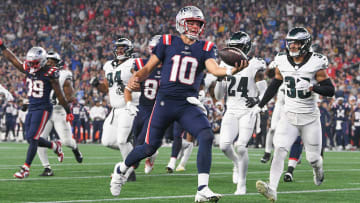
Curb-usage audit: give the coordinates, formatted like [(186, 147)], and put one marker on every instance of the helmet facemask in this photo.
[(184, 16), (298, 35), (240, 40), (128, 49), (35, 59)]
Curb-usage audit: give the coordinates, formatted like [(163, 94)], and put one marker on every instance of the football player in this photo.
[(304, 74), (57, 119), (183, 60), (41, 79), (340, 113), (243, 92), (117, 125), (294, 159)]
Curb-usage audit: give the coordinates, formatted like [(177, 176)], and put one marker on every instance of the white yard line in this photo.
[(191, 196)]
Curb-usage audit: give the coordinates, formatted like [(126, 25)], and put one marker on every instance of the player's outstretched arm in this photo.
[(272, 89), (141, 75), (59, 95), (10, 56), (68, 90), (213, 67)]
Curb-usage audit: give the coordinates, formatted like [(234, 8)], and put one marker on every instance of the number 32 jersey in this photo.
[(118, 77), (182, 65), (300, 101)]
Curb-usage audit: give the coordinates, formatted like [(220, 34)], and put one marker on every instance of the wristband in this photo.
[(228, 72)]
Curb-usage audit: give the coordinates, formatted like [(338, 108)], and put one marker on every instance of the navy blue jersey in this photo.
[(340, 112), (182, 65), (150, 86), (76, 111), (39, 87)]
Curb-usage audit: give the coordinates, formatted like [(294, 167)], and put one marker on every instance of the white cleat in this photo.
[(240, 190), (264, 189), (117, 181), (206, 195), (149, 163), (180, 168), (318, 176), (235, 175)]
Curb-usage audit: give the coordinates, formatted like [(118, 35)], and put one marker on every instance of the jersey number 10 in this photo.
[(179, 69)]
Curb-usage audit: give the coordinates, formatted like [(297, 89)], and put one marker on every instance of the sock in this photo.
[(123, 168), (203, 180), (128, 172), (290, 169), (172, 162), (187, 154)]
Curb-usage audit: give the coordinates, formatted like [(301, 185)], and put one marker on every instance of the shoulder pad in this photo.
[(52, 72), (166, 39), (208, 46), (323, 61), (281, 53), (139, 64)]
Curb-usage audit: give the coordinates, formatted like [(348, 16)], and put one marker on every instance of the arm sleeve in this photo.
[(325, 88), (219, 90), (270, 92)]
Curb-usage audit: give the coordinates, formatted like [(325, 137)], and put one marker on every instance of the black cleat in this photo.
[(47, 172), (169, 170), (78, 155), (288, 177), (132, 177), (265, 158)]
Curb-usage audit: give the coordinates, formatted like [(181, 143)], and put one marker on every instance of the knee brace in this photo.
[(206, 136)]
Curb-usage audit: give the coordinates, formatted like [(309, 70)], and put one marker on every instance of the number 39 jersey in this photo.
[(117, 77), (242, 84), (182, 65), (300, 101), (150, 86), (39, 88)]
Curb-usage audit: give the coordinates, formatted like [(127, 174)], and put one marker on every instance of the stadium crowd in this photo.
[(83, 32)]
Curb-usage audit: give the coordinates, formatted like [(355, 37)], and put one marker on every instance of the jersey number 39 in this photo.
[(36, 88)]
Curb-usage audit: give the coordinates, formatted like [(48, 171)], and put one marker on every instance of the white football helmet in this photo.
[(54, 55), (153, 42), (190, 13), (35, 59), (129, 48)]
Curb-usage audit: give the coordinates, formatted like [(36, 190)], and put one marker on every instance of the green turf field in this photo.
[(89, 181)]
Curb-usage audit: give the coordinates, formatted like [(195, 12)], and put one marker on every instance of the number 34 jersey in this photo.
[(117, 77), (300, 101), (242, 84)]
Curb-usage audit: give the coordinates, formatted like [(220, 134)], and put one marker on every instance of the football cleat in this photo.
[(118, 179), (132, 177), (180, 168), (58, 151), (169, 169), (47, 172), (149, 163), (235, 175), (265, 158), (78, 155), (206, 195), (264, 189), (22, 173), (288, 177), (318, 176), (240, 190)]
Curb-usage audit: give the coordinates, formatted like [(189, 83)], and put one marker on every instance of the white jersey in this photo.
[(118, 77), (242, 84), (296, 101), (63, 76)]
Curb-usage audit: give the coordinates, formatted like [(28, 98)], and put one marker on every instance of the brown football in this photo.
[(231, 55)]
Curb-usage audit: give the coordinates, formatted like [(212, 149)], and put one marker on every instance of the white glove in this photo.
[(303, 85), (202, 95), (131, 108), (255, 111), (272, 65), (195, 101)]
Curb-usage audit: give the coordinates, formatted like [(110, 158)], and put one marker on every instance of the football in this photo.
[(231, 55)]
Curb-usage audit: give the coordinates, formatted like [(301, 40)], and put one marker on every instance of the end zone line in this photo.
[(191, 196)]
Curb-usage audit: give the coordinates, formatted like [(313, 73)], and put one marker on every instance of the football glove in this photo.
[(254, 111), (131, 108), (251, 101), (196, 102), (94, 81), (69, 117), (303, 85)]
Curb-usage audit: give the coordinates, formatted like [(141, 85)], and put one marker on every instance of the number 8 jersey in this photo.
[(118, 77), (300, 101)]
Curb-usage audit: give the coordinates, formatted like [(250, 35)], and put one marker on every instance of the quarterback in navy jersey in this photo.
[(183, 60), (41, 79)]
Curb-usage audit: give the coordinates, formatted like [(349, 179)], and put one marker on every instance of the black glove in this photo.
[(251, 101), (94, 81)]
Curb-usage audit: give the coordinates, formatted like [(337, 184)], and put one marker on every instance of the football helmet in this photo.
[(240, 40), (54, 56), (298, 34), (128, 48), (35, 59), (153, 42), (190, 13)]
